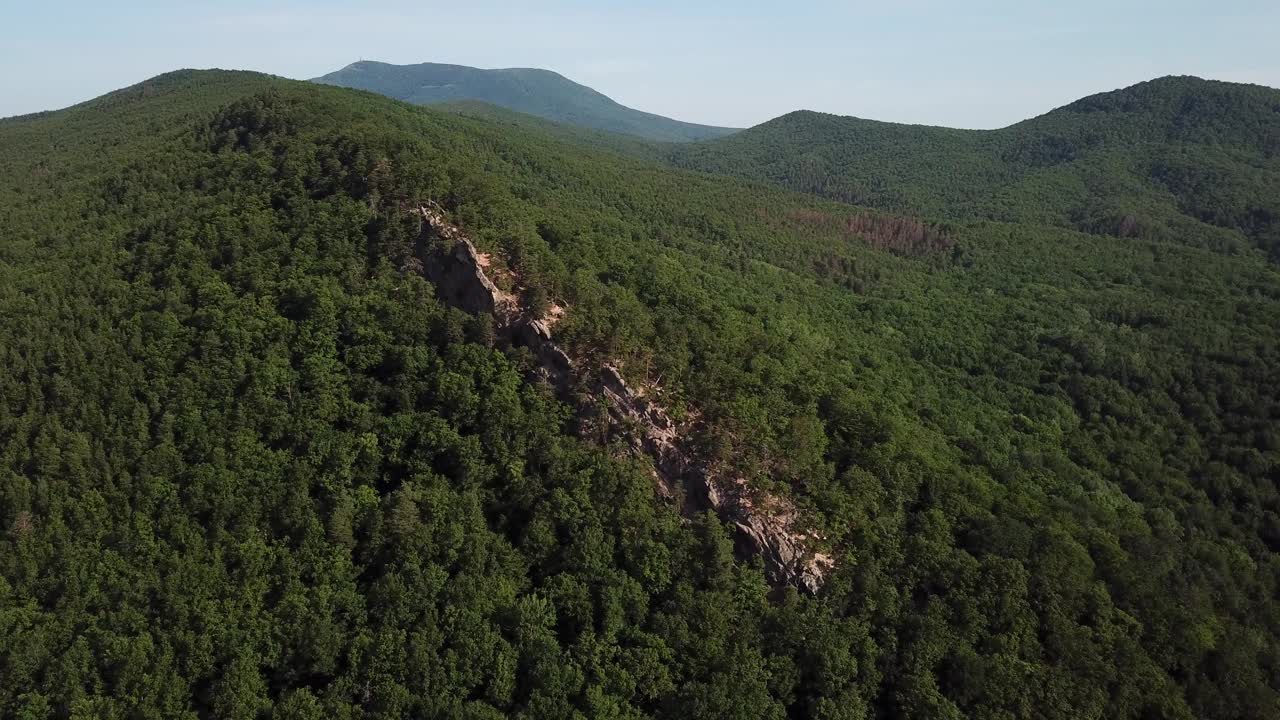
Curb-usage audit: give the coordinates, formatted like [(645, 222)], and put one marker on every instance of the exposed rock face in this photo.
[(647, 429), (458, 275), (554, 362), (768, 526)]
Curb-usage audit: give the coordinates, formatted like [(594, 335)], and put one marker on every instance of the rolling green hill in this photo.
[(542, 93), (253, 464), (1174, 158)]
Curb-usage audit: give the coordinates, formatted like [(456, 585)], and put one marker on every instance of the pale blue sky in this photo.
[(983, 63)]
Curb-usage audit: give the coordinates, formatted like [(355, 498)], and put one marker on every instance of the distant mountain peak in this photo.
[(535, 91), (1157, 95)]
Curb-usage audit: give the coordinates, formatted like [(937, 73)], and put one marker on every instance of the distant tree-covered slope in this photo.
[(1175, 158), (251, 466), (528, 90), (573, 134)]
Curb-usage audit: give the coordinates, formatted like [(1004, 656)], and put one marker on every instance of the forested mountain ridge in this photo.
[(1176, 158), (251, 465), (541, 93)]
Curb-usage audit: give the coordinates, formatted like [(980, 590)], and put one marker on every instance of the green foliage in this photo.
[(251, 467), (1176, 159)]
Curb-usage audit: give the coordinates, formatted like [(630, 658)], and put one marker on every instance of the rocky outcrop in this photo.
[(767, 526), (457, 269), (647, 428), (770, 526)]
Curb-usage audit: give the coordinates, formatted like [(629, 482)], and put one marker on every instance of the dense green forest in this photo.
[(541, 93), (1177, 158), (252, 467)]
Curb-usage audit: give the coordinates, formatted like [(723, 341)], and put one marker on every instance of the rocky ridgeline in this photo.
[(767, 525), (458, 272)]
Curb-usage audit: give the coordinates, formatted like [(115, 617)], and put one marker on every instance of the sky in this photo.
[(975, 64)]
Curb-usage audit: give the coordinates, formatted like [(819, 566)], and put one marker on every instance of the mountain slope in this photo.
[(537, 92), (584, 137), (1175, 158), (255, 461)]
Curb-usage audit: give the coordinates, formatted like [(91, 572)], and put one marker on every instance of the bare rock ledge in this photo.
[(769, 526)]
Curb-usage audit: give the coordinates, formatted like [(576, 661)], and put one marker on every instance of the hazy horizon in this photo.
[(987, 65)]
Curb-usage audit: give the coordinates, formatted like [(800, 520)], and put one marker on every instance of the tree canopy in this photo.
[(253, 468)]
